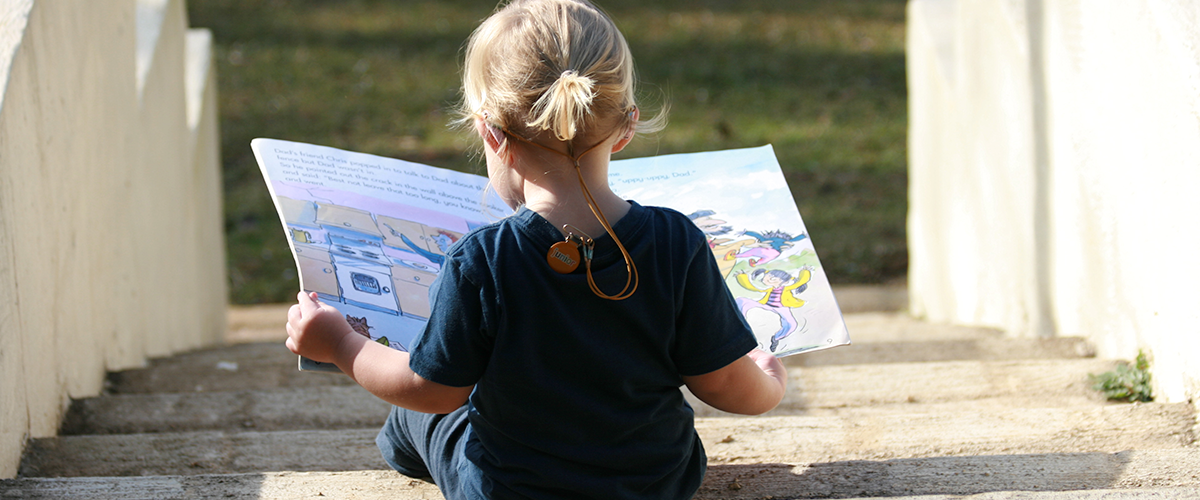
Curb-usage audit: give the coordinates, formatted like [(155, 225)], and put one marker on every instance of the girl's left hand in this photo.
[(315, 329), (770, 365)]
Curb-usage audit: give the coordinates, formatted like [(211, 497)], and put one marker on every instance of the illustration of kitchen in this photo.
[(374, 268)]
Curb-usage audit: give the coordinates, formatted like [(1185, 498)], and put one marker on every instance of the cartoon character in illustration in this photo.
[(721, 247), (781, 297), (711, 226), (360, 326), (443, 239), (770, 245)]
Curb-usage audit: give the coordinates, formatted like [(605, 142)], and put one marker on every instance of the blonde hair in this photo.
[(557, 66)]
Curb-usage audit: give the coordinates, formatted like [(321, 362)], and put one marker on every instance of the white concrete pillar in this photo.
[(1054, 166), (110, 233)]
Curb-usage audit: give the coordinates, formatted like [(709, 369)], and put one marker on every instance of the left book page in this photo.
[(369, 233)]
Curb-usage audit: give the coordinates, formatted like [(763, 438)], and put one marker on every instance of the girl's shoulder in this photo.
[(483, 244), (669, 222)]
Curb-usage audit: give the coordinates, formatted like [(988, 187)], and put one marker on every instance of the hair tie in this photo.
[(572, 78)]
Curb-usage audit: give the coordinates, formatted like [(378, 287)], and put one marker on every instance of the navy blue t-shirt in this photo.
[(575, 394)]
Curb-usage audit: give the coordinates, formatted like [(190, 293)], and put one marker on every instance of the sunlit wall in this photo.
[(1054, 171)]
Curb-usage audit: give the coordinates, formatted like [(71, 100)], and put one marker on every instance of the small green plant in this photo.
[(1126, 382)]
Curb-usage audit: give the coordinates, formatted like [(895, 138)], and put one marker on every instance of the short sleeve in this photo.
[(710, 331), (454, 347)]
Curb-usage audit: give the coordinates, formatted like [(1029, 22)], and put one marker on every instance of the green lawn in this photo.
[(821, 80)]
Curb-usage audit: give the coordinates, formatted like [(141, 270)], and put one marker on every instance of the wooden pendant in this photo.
[(563, 257)]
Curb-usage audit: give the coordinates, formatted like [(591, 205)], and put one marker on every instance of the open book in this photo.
[(369, 234)]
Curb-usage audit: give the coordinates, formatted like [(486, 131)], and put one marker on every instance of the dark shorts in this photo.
[(425, 446)]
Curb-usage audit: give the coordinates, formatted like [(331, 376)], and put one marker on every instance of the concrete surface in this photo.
[(291, 408), (854, 299), (264, 365), (784, 439), (239, 421), (1160, 475), (1047, 382), (109, 250), (1054, 159), (1058, 383), (984, 349), (1005, 476)]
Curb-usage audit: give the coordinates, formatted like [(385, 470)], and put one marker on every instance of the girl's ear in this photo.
[(628, 137), (492, 136)]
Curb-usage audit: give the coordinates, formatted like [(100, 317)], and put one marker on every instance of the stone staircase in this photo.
[(910, 409)]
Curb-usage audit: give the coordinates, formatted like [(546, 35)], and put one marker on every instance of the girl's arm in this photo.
[(752, 385), (319, 332)]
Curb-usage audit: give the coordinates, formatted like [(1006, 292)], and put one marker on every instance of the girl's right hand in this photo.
[(315, 329)]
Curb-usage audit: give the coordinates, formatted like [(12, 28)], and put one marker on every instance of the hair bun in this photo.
[(564, 106), (576, 85)]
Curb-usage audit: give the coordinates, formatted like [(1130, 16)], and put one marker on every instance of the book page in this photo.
[(370, 234), (741, 201)]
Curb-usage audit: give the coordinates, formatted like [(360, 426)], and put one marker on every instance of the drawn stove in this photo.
[(364, 273)]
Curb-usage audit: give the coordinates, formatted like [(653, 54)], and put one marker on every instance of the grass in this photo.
[(821, 80), (1128, 383)]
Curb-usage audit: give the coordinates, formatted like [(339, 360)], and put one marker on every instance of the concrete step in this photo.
[(204, 452), (918, 351), (854, 299), (1158, 474), (294, 408), (237, 367), (790, 439), (878, 338), (1009, 383), (897, 326), (1144, 474), (804, 439), (889, 337), (1037, 383), (256, 323)]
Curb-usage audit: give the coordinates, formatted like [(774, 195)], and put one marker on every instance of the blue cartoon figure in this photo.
[(770, 244), (723, 249), (443, 240), (781, 297)]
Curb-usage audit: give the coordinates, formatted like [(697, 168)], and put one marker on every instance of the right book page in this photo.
[(741, 201)]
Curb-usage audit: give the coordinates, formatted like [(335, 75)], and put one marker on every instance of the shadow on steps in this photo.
[(955, 475), (1153, 474)]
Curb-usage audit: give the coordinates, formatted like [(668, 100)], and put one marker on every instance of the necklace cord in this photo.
[(630, 267)]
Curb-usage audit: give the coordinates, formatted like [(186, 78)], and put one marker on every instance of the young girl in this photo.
[(559, 336)]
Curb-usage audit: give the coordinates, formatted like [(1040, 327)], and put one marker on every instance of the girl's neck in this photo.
[(554, 191)]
